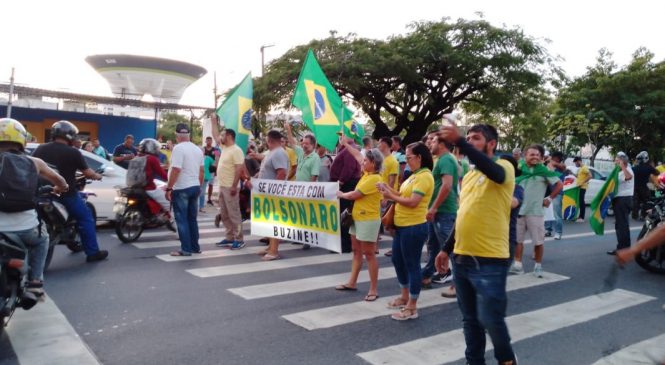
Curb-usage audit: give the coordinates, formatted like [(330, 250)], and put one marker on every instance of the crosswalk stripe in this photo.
[(213, 271), (44, 333), (651, 351), (176, 243), (522, 326), (303, 285), (361, 310), (586, 234), (223, 252)]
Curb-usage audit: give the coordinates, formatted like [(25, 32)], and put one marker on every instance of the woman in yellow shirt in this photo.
[(366, 219), (410, 228)]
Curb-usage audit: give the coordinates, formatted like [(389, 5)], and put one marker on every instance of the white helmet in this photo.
[(643, 156), (149, 146)]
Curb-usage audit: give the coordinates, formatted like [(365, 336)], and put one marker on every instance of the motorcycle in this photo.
[(62, 228), (13, 282), (652, 260), (135, 211)]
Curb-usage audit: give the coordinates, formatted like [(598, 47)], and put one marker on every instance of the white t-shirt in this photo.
[(189, 158), (17, 222), (626, 187)]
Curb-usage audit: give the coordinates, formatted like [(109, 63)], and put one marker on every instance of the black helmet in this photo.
[(149, 146), (64, 129)]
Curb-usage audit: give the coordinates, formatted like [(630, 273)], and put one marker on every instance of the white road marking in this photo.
[(649, 351), (361, 310), (430, 350), (223, 252), (43, 335)]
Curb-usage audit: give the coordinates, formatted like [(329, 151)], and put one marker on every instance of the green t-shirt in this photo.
[(446, 165), (206, 167), (308, 166)]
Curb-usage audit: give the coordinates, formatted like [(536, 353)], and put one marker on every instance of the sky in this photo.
[(47, 41)]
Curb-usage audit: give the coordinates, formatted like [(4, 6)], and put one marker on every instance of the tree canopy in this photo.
[(168, 122), (408, 82)]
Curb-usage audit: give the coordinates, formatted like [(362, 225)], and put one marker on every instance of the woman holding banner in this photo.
[(412, 202), (366, 219)]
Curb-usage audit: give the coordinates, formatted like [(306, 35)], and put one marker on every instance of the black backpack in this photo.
[(18, 182)]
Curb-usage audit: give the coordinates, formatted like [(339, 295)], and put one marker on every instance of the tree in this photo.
[(418, 77), (168, 122)]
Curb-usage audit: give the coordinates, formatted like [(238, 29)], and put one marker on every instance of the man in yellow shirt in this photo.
[(481, 254), (583, 177)]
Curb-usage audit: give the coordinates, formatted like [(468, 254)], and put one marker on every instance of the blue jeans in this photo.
[(481, 296), (407, 249), (439, 230), (36, 241), (557, 224), (185, 208), (86, 225), (202, 196)]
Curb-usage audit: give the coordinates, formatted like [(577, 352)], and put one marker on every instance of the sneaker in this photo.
[(99, 256), (449, 293), (538, 271), (516, 268), (579, 220), (557, 236), (443, 278), (224, 243), (238, 245)]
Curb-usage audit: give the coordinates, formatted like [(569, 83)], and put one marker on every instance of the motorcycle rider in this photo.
[(68, 160), (150, 148), (23, 226)]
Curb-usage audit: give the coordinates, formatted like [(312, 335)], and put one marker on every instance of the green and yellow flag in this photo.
[(236, 111), (601, 202), (322, 109)]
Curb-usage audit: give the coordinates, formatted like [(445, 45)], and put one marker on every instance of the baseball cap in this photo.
[(182, 128)]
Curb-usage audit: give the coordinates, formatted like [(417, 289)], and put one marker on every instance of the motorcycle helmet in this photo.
[(13, 131), (149, 146), (643, 157), (64, 129)]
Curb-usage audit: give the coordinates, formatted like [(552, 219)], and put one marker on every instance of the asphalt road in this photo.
[(136, 308)]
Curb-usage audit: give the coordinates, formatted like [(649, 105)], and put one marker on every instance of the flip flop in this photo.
[(405, 314), (371, 297), (344, 287), (269, 257), (180, 253), (396, 303)]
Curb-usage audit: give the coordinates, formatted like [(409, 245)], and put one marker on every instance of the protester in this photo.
[(556, 225), (326, 162), (644, 173), (398, 152), (293, 159), (481, 253), (442, 208), (125, 152), (208, 162), (212, 152), (99, 150), (366, 219), (535, 178), (149, 148), (22, 225), (87, 146), (183, 189), (622, 202), (583, 178), (346, 170), (411, 204), (515, 205), (274, 167), (390, 171), (367, 145)]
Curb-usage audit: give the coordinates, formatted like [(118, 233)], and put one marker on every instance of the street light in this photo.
[(263, 67)]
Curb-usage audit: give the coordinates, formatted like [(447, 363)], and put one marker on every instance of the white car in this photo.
[(596, 182), (105, 190)]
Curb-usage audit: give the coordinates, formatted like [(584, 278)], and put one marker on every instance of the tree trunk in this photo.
[(593, 155)]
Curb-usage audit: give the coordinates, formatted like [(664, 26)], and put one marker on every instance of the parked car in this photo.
[(105, 190), (596, 182)]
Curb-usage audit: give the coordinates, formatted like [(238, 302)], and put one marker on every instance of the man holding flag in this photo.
[(623, 201)]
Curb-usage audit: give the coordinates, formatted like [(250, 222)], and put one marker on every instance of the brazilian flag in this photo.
[(236, 111), (322, 109), (601, 202), (569, 207)]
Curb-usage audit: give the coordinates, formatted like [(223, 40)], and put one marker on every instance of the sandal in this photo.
[(405, 314), (262, 252), (269, 257), (344, 287), (180, 253), (371, 297), (396, 303)]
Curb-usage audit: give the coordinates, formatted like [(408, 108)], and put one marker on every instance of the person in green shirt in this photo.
[(443, 205), (207, 162)]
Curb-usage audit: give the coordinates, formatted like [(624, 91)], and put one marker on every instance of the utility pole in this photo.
[(263, 65), (11, 93)]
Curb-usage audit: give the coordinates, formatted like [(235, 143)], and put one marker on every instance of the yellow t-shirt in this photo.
[(228, 159), (293, 161), (390, 167), (483, 217), (582, 175), (368, 207), (420, 182), (660, 169)]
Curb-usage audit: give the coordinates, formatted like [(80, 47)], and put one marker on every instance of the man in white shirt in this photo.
[(622, 203), (183, 189)]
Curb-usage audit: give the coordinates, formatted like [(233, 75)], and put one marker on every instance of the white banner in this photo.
[(305, 212)]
